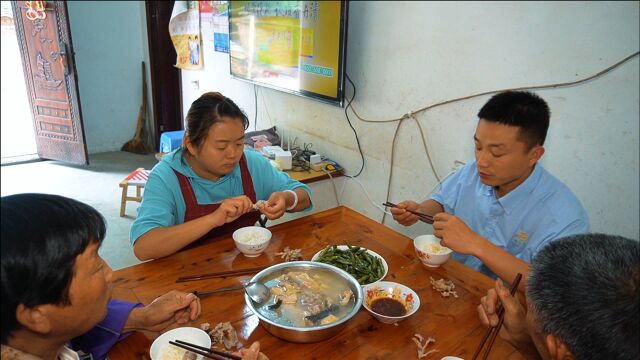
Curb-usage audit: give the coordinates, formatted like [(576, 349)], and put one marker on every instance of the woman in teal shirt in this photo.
[(207, 188)]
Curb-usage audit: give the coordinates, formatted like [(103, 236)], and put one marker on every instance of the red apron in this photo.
[(195, 210)]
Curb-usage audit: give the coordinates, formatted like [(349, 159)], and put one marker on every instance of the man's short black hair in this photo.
[(41, 237), (522, 109), (585, 290)]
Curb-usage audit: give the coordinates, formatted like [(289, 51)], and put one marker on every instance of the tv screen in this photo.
[(293, 46)]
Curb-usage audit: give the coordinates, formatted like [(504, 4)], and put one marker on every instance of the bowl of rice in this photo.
[(162, 350), (252, 240), (430, 252)]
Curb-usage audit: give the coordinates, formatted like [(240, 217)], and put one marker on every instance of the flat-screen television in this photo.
[(294, 46)]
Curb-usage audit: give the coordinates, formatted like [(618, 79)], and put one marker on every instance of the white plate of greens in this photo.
[(365, 265)]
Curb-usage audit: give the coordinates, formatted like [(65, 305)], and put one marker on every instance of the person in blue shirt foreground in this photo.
[(55, 289), (206, 189), (583, 301), (498, 211)]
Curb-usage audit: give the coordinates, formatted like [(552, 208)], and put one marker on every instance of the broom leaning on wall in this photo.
[(137, 144)]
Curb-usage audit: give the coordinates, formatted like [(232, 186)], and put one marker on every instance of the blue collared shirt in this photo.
[(538, 211), (163, 204)]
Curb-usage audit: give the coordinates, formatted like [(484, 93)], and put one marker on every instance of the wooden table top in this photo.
[(452, 322)]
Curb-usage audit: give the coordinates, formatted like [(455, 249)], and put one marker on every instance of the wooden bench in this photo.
[(137, 178)]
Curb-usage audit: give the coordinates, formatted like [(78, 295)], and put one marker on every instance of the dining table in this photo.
[(452, 322)]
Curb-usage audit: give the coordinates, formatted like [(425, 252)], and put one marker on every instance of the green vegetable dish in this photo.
[(366, 268)]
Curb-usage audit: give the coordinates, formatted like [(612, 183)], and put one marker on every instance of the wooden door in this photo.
[(50, 73), (166, 79)]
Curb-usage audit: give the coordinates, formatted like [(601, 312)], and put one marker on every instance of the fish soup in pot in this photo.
[(315, 300)]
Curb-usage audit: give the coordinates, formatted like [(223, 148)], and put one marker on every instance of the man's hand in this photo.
[(276, 205), (404, 217), (168, 310), (252, 353), (456, 235), (231, 209), (514, 329)]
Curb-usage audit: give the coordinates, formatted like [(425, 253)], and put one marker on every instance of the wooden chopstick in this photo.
[(215, 291), (221, 274), (422, 216), (218, 352), (494, 330), (199, 352)]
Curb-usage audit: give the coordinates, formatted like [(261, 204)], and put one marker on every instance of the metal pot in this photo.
[(311, 333)]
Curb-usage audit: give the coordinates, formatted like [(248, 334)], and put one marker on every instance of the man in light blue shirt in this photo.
[(498, 211)]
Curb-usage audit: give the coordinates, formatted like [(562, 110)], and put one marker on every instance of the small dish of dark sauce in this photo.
[(388, 307)]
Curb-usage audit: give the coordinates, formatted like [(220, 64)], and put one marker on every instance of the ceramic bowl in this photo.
[(189, 334), (430, 252), (252, 240), (392, 290)]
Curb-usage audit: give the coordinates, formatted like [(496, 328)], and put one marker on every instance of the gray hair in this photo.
[(585, 290)]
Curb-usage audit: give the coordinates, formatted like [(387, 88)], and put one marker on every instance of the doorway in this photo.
[(166, 79), (17, 136)]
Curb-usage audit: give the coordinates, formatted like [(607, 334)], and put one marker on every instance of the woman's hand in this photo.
[(276, 205), (231, 209)]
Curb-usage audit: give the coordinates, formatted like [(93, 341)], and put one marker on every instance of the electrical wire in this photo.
[(266, 109), (534, 87), (375, 204), (255, 101), (352, 128), (333, 182), (393, 146)]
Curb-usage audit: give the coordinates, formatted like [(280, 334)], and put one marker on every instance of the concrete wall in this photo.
[(403, 56), (110, 41)]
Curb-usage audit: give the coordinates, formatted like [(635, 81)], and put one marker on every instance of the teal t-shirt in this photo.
[(163, 204)]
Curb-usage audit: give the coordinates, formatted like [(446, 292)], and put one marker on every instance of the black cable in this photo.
[(352, 128), (255, 97)]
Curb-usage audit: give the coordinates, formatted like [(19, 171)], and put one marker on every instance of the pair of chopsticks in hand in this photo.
[(494, 330), (206, 352), (422, 216)]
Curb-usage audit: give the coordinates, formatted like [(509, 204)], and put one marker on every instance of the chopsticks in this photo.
[(209, 292), (221, 274), (494, 330), (206, 352), (422, 216)]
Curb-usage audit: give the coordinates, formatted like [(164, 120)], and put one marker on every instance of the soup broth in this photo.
[(307, 293)]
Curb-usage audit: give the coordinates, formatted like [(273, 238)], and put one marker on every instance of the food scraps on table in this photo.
[(444, 287), (422, 345), (291, 254), (226, 335)]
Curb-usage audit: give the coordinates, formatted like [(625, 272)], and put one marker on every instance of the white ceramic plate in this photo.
[(188, 334), (370, 252)]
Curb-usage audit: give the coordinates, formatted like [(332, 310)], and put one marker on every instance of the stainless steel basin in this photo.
[(311, 333)]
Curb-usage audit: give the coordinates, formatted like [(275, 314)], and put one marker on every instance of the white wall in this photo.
[(110, 42), (405, 55)]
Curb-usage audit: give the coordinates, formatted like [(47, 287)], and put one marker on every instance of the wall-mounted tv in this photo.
[(294, 46)]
